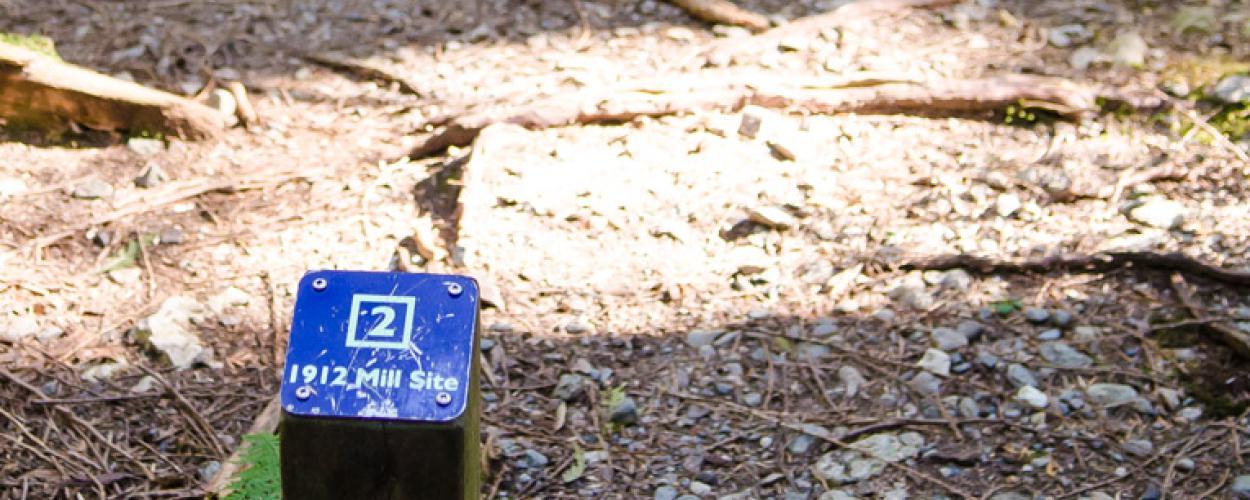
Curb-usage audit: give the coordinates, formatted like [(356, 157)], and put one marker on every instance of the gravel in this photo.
[(936, 362), (1019, 376), (1110, 395), (1030, 396), (947, 339)]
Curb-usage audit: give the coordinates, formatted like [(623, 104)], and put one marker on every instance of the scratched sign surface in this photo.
[(381, 346)]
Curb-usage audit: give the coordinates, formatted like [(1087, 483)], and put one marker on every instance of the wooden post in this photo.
[(380, 390)]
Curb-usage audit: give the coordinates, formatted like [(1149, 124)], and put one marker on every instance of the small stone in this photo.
[(752, 121), (957, 279), (926, 383), (1186, 465), (1029, 395), (1191, 413), (569, 387), (209, 470), (961, 368), (665, 493), (1160, 213), (700, 488), (1129, 49), (772, 217), (92, 189), (1086, 333), (1019, 376), (15, 329), (145, 147), (793, 43), (968, 408), (1007, 204), (486, 345), (171, 236), (752, 399), (1061, 318), (1110, 395), (1232, 89), (1152, 492), (1084, 57), (501, 327), (936, 362), (987, 360), (1068, 35), (885, 314), (1064, 356), (1036, 315), (223, 101), (153, 175), (837, 495), (1171, 398), (625, 412), (700, 338), (171, 331), (851, 379), (800, 444), (576, 327), (1050, 334), (810, 351), (948, 340), (535, 459), (1241, 486), (1138, 447)]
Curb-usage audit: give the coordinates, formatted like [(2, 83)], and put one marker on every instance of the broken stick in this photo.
[(369, 70), (42, 91), (1093, 263), (723, 12)]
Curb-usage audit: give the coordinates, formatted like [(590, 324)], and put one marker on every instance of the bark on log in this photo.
[(723, 12), (40, 91), (871, 95)]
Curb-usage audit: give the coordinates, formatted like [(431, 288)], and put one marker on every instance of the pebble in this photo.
[(837, 495), (1138, 447), (665, 493), (1241, 486), (800, 444), (968, 408), (851, 379), (1152, 492), (1232, 89), (987, 360), (625, 412), (1006, 204), (1068, 35), (569, 387), (1029, 395), (752, 399), (1061, 318), (1185, 465), (700, 488), (1019, 376), (971, 330), (1157, 212), (956, 279), (1191, 413), (936, 362), (772, 217), (501, 327), (948, 340), (145, 147), (1086, 333), (1036, 315), (486, 345), (1050, 334), (209, 470), (700, 338), (535, 459), (172, 236), (153, 175), (91, 189), (576, 328), (223, 101), (885, 314), (1110, 395), (926, 383), (1064, 356)]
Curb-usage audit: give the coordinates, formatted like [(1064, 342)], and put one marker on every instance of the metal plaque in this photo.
[(373, 345)]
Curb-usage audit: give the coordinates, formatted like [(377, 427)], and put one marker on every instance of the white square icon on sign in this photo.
[(380, 321)]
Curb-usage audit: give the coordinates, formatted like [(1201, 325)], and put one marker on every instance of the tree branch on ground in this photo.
[(723, 12), (45, 92)]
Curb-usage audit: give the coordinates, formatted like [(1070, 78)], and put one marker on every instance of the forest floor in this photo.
[(680, 305)]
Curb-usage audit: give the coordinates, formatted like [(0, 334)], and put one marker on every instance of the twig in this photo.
[(1081, 263), (723, 12), (98, 399), (209, 435), (1237, 340), (1216, 135), (366, 69)]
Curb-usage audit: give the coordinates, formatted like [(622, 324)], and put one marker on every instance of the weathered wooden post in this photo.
[(380, 391)]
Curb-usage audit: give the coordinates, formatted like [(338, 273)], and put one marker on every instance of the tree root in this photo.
[(723, 12), (848, 95), (1094, 263)]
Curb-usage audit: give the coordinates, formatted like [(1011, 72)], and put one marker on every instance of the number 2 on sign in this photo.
[(309, 374), (383, 328)]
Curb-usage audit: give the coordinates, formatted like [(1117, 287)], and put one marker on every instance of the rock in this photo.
[(1232, 89), (223, 101), (230, 296), (890, 447), (793, 43), (1171, 398), (1138, 447), (1050, 334), (171, 236), (153, 175), (1241, 486), (749, 259), (1129, 49), (1061, 318), (1064, 356), (925, 383), (576, 327), (1019, 376), (851, 379), (1110, 395), (1152, 492), (752, 399), (665, 493), (535, 459), (1006, 204), (624, 412), (810, 351), (987, 360), (104, 371), (1086, 333), (1191, 413), (1036, 315), (1068, 35), (569, 387), (144, 384), (700, 488), (700, 338), (16, 328), (971, 330), (171, 332), (800, 444), (145, 147), (209, 470), (91, 189), (936, 362), (772, 217), (1030, 396), (947, 339), (1157, 212), (1186, 465), (501, 327), (837, 495), (957, 279), (752, 121), (1084, 57), (968, 408)]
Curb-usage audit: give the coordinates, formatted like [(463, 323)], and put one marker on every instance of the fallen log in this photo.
[(871, 95), (723, 12), (41, 91)]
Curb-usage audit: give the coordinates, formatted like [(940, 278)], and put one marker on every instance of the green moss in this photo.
[(1199, 72), (36, 43)]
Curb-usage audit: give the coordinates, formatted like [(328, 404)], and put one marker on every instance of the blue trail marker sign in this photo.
[(379, 392)]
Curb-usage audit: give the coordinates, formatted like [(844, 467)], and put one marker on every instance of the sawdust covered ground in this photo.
[(741, 292)]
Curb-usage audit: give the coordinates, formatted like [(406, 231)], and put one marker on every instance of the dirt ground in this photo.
[(745, 294)]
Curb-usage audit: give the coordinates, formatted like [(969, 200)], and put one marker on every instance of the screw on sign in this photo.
[(380, 390)]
